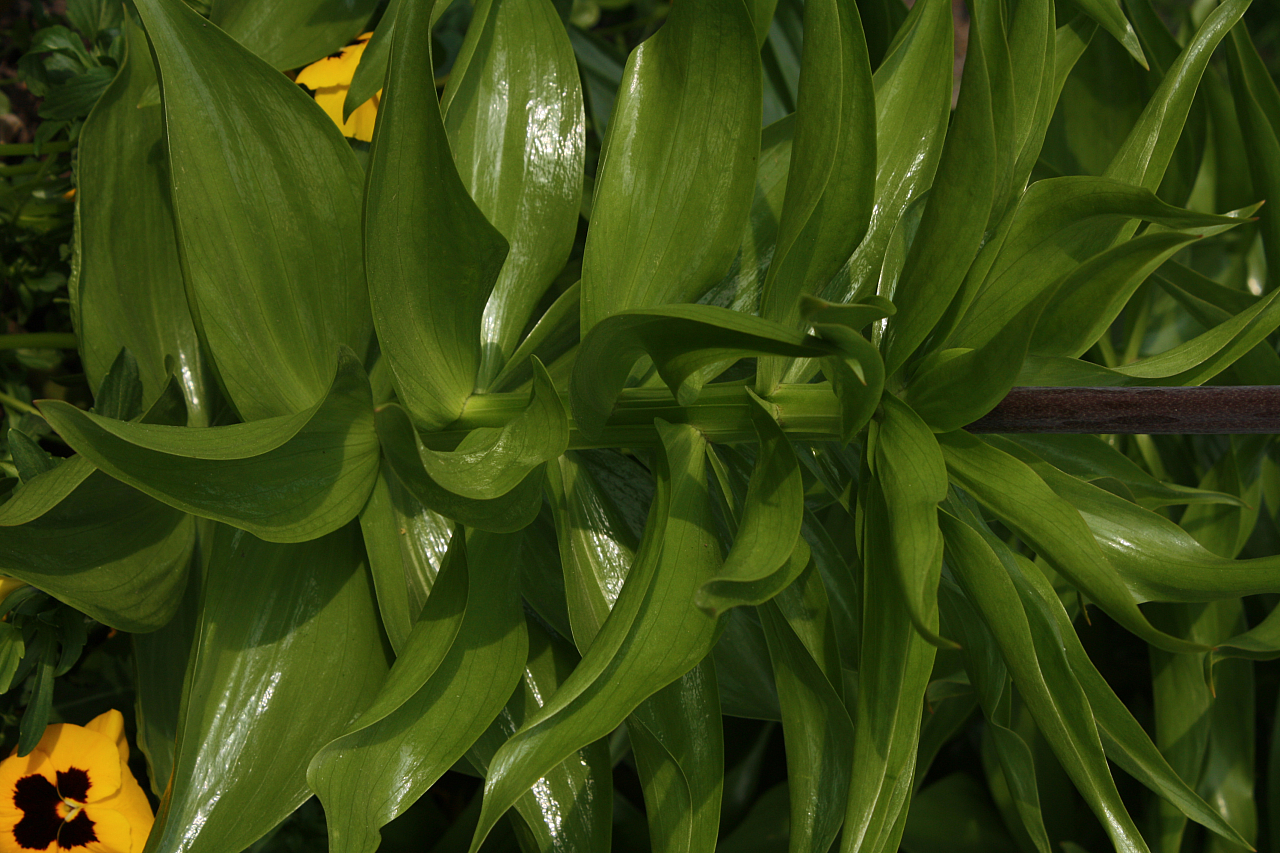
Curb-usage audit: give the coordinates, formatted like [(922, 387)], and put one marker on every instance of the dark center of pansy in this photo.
[(52, 813)]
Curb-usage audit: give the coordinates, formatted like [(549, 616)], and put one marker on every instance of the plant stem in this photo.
[(812, 413), (15, 403), (39, 340)]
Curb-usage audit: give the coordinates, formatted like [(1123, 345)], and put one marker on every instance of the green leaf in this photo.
[(126, 287), (285, 479), (571, 808), (288, 649), (1028, 641), (267, 211), (431, 255), (955, 814), (1126, 742), (1146, 153), (555, 334), (683, 341), (913, 101), (675, 180), (29, 457), (291, 33), (909, 469), (652, 636), (1154, 558), (831, 181), (403, 451), (954, 218), (816, 727), (492, 461), (1017, 495), (761, 562), (523, 162), (1090, 458), (678, 745), (892, 676), (1109, 14), (452, 678), (1057, 223), (1258, 107)]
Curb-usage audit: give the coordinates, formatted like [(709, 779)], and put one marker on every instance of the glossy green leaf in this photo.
[(127, 289), (571, 808), (1154, 558), (954, 218), (913, 100), (682, 340), (892, 676), (1146, 153), (1058, 224), (761, 563), (284, 479), (1213, 306), (492, 461), (270, 252), (403, 451), (1090, 458), (1018, 496), (909, 468), (679, 750), (289, 649), (431, 255), (1110, 16), (291, 33), (831, 181), (652, 636), (452, 678), (1126, 742), (1194, 362), (1035, 60), (555, 333), (675, 180), (1028, 641), (816, 725), (519, 142)]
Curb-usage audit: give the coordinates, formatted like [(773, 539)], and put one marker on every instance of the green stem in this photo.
[(21, 169), (722, 413), (27, 149), (15, 403), (39, 340)]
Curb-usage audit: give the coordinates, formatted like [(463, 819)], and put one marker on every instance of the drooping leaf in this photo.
[(127, 289), (291, 33), (431, 255), (289, 649), (675, 180), (454, 675), (652, 636), (267, 216), (1111, 17), (285, 479), (519, 142)]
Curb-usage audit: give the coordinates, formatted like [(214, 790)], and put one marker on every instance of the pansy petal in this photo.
[(14, 768), (360, 124), (75, 748), (130, 803), (330, 100), (332, 70), (110, 725), (112, 832)]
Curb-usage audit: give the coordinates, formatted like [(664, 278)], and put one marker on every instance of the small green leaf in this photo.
[(1109, 14)]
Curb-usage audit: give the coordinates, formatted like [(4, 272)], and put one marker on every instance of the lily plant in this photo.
[(571, 419)]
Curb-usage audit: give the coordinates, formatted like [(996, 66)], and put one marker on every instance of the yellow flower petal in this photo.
[(111, 725), (333, 70), (75, 748), (113, 832)]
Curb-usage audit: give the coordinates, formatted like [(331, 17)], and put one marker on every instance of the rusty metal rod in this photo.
[(1215, 410)]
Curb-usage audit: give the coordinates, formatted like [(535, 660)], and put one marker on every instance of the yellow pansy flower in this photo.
[(330, 78), (74, 792)]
